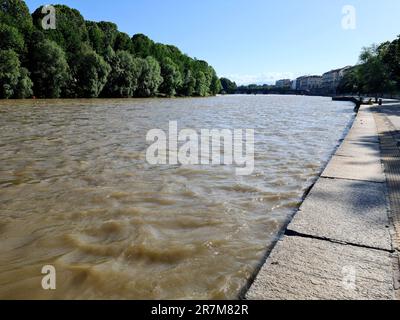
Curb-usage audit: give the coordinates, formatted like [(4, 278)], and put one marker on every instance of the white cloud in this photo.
[(263, 78)]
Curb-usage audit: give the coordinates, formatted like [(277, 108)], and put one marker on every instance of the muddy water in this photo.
[(77, 193)]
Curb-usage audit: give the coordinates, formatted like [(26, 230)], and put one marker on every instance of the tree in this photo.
[(391, 57), (228, 86), (85, 58), (150, 77), (110, 33), (201, 87), (374, 72), (15, 13), (11, 39), (70, 32), (351, 83), (189, 84), (142, 45), (123, 79), (123, 42), (96, 36), (215, 86), (171, 76), (50, 72), (14, 80), (24, 86), (9, 73), (91, 73)]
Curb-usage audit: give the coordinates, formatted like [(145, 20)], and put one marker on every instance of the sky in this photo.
[(254, 41)]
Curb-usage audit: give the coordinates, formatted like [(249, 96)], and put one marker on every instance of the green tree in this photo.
[(351, 83), (70, 30), (374, 72), (142, 46), (189, 84), (14, 80), (50, 72), (391, 58), (201, 87), (150, 77), (228, 86), (123, 42), (9, 73), (172, 78), (91, 73), (96, 36), (16, 13), (74, 59), (24, 86), (215, 86), (11, 38), (110, 33), (123, 79)]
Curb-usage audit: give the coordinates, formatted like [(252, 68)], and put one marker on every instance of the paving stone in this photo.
[(356, 149), (309, 269), (347, 211), (360, 168)]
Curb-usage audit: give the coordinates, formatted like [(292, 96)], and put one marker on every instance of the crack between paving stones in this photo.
[(291, 233)]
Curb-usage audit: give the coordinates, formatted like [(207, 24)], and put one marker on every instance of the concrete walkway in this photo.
[(341, 243)]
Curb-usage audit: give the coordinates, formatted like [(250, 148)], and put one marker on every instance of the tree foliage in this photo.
[(91, 73), (9, 73), (24, 86), (14, 79), (89, 59), (70, 32), (11, 38), (228, 86), (50, 71), (391, 58), (188, 85), (377, 73), (172, 78), (124, 77), (15, 13), (150, 77), (351, 82)]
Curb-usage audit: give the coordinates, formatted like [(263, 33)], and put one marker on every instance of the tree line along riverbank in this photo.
[(87, 59), (377, 73)]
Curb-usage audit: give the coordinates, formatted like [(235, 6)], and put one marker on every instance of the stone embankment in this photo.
[(343, 242)]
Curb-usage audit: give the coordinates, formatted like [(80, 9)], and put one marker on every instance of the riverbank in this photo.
[(341, 243)]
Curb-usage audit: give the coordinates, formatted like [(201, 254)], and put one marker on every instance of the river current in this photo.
[(77, 193)]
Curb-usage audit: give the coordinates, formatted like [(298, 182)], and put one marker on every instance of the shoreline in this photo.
[(307, 260), (243, 292)]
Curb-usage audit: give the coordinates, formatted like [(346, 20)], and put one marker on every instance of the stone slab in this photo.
[(363, 129), (308, 269), (363, 135), (347, 211), (359, 149), (360, 168)]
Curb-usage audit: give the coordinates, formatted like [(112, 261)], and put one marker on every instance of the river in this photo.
[(77, 193)]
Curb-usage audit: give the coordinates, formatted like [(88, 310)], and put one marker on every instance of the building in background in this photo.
[(309, 83), (294, 84), (284, 84), (326, 84), (331, 79)]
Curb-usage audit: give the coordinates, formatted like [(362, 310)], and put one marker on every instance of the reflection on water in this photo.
[(76, 193)]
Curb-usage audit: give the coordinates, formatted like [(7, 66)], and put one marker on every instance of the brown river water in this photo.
[(77, 193)]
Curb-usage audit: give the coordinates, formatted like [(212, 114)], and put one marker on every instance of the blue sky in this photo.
[(253, 41)]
